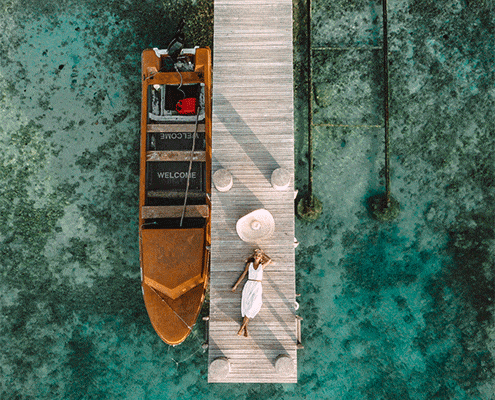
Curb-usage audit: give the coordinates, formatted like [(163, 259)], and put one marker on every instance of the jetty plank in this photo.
[(252, 135)]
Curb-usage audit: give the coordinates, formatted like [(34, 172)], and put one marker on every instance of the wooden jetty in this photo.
[(252, 136)]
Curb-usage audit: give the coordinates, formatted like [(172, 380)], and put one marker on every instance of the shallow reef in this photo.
[(397, 310)]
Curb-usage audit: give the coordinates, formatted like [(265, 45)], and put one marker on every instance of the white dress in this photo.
[(252, 292)]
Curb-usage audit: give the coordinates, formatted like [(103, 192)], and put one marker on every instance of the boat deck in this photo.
[(252, 135)]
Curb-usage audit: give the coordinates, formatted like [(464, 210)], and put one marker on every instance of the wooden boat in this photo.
[(175, 188)]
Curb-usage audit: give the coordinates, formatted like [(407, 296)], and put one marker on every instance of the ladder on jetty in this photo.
[(253, 135)]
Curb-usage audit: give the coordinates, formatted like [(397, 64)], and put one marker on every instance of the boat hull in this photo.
[(174, 238), (174, 280)]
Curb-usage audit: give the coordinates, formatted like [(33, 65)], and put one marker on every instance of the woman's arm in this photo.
[(243, 275), (268, 262)]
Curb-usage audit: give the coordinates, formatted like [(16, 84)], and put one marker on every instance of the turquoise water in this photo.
[(391, 311)]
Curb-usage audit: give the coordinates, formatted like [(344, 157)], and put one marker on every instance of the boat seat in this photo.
[(177, 291), (176, 195), (177, 118), (173, 155), (192, 211), (175, 128)]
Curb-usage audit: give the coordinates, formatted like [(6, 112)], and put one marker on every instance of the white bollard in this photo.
[(280, 179), (223, 181), (284, 365), (219, 368)]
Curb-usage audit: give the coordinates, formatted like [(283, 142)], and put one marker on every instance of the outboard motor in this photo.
[(177, 43)]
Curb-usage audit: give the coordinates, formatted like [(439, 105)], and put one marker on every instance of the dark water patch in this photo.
[(19, 314), (8, 91), (84, 364), (123, 30), (481, 173), (45, 305), (32, 224), (401, 302), (376, 349), (120, 116), (155, 24), (375, 266), (339, 7), (310, 310), (261, 392), (472, 275), (26, 221), (455, 94), (310, 289), (388, 380), (100, 302), (327, 240), (348, 87), (114, 208), (96, 102), (31, 212), (300, 96), (304, 258), (368, 331), (116, 295), (25, 135), (70, 126), (27, 338), (455, 340), (386, 386), (79, 250)]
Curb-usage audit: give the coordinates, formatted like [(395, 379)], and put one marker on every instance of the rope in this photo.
[(190, 166), (168, 305), (179, 87)]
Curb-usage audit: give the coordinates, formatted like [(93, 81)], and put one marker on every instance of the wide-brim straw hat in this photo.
[(255, 226)]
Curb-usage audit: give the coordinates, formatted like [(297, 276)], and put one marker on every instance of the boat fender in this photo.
[(186, 106)]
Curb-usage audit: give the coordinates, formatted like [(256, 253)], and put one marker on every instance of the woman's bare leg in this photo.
[(243, 326)]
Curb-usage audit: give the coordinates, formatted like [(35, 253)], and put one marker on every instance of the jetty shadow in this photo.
[(214, 348), (230, 199), (265, 339), (234, 123), (273, 309)]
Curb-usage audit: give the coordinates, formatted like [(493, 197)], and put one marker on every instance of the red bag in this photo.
[(186, 106)]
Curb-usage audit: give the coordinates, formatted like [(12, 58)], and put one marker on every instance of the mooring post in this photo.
[(310, 108), (385, 207), (309, 207), (385, 102)]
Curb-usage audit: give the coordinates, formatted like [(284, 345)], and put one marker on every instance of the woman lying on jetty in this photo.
[(252, 291)]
